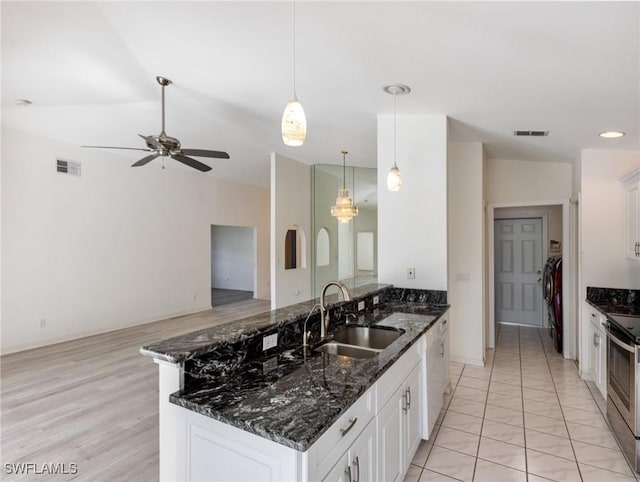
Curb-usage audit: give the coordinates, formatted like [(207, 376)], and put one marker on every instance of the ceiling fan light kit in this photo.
[(394, 178), (344, 210), (163, 145)]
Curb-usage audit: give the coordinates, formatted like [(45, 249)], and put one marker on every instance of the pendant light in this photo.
[(294, 122), (394, 179), (344, 209)]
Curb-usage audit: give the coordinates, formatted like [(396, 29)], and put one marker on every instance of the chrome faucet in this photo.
[(324, 314)]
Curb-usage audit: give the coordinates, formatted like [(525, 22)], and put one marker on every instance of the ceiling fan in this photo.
[(165, 146)]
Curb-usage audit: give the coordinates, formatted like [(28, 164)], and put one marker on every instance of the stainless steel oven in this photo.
[(622, 391)]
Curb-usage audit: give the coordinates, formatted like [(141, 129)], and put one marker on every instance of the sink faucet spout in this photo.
[(346, 295)]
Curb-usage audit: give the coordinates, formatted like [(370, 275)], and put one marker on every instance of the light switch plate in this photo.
[(411, 273), (269, 341)]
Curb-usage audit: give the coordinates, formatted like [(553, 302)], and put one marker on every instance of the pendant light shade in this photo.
[(394, 178), (344, 209), (294, 122)]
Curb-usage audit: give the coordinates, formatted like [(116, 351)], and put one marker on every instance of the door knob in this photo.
[(539, 279), (538, 272)]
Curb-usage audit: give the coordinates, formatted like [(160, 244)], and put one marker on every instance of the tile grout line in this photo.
[(564, 420), (524, 424)]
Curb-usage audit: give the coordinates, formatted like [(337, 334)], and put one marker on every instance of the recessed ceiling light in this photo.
[(611, 134), (23, 102)]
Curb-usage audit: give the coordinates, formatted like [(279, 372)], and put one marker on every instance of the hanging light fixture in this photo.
[(344, 209), (294, 122), (394, 179)]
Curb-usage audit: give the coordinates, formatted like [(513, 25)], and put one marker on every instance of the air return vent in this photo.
[(531, 133), (65, 166)]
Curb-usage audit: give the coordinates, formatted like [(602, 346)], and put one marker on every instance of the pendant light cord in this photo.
[(344, 170), (395, 103), (295, 96)]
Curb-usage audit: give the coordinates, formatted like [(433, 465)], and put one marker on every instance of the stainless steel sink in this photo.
[(333, 348), (372, 337)]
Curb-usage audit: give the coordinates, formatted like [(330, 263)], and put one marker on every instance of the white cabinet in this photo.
[(437, 369), (399, 428), (598, 349), (631, 183), (375, 439)]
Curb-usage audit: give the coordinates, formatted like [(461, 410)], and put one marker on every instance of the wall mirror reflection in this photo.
[(346, 252)]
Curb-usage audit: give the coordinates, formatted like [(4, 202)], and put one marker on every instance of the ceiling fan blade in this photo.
[(191, 162), (205, 153), (144, 160), (150, 140), (113, 147)]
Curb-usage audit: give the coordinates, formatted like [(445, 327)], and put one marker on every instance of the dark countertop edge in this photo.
[(250, 331), (303, 446)]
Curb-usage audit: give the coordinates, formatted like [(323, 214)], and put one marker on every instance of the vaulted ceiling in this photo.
[(89, 68)]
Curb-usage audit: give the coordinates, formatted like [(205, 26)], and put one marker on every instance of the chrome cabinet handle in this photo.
[(596, 339), (442, 350), (408, 398), (405, 404), (347, 473), (357, 464), (352, 422)]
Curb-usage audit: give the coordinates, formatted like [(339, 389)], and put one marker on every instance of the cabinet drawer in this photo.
[(337, 439)]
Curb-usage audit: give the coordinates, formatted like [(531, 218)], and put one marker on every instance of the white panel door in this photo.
[(518, 270)]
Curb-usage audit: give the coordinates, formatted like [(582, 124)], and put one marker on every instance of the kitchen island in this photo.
[(230, 410)]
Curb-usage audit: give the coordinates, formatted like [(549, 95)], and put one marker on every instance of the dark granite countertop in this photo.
[(614, 301), (292, 397), (201, 342)]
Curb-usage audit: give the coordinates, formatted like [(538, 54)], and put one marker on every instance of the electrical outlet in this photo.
[(376, 299), (269, 341), (411, 273), (360, 305), (43, 323)]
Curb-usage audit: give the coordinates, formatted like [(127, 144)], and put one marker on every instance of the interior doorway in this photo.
[(557, 241), (233, 264)]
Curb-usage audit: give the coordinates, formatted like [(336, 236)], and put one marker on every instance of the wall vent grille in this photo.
[(531, 133), (65, 166)]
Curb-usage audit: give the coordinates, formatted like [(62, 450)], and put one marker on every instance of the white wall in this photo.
[(290, 205), (465, 250), (602, 220), (412, 223), (232, 257), (511, 181), (115, 247)]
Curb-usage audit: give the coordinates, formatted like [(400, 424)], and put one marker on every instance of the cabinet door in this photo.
[(389, 427), (632, 216), (596, 352), (434, 379), (362, 456), (413, 419), (341, 472)]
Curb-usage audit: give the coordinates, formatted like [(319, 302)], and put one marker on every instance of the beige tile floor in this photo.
[(525, 416)]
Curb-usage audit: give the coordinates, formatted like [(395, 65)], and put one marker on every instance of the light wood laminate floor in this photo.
[(93, 401)]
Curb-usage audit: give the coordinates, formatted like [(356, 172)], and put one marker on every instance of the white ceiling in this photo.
[(569, 67)]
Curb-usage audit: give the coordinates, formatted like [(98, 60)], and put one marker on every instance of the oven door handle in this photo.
[(613, 338)]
